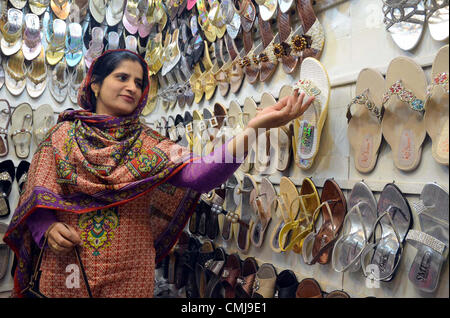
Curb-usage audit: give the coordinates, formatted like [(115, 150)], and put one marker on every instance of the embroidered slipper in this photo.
[(43, 122), (248, 189), (436, 116), (437, 18), (356, 230), (432, 239), (301, 217), (262, 205), (403, 126), (5, 251), (5, 120), (314, 81), (230, 206), (7, 174), (380, 259), (308, 288), (318, 245), (249, 112), (22, 175), (404, 21), (21, 129), (364, 125)]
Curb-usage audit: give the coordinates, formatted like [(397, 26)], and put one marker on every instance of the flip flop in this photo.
[(248, 189), (230, 205), (43, 122), (262, 205), (5, 251), (432, 240), (356, 230), (436, 116), (21, 129), (301, 218), (5, 119), (404, 21), (437, 18), (314, 81), (318, 245), (380, 259), (7, 174), (403, 125), (364, 125)]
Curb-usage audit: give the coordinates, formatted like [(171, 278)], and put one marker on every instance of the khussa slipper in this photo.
[(356, 230), (404, 21), (15, 73), (300, 217), (37, 76), (12, 32), (262, 206), (230, 206), (21, 129), (7, 174), (5, 119), (380, 259), (436, 116), (248, 189), (364, 125), (437, 18), (404, 101), (432, 239), (314, 81), (5, 251), (318, 245), (43, 122)]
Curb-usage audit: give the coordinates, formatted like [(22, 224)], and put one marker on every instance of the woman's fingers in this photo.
[(62, 238)]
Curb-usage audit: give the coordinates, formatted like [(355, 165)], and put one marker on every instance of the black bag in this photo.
[(32, 290)]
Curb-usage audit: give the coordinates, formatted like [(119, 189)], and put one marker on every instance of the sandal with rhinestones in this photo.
[(436, 116), (431, 241), (308, 127), (403, 125), (364, 125), (21, 129)]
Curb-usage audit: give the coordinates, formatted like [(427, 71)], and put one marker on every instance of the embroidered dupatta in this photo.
[(89, 162)]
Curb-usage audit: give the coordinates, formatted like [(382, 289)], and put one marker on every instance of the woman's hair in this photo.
[(108, 62)]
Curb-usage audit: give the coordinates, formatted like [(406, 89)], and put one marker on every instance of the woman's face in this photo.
[(121, 90)]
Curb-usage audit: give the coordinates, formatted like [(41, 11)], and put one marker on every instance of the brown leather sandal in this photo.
[(318, 244), (234, 72), (311, 28), (284, 25), (248, 17), (267, 67)]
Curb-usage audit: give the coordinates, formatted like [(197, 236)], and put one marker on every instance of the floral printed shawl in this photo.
[(89, 162)]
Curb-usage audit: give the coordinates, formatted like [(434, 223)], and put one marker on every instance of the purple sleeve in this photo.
[(38, 222), (209, 172)]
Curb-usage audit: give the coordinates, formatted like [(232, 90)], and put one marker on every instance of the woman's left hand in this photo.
[(285, 110)]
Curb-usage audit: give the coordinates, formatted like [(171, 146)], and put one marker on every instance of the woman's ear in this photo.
[(95, 87)]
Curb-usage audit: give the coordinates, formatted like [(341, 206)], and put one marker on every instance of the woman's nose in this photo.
[(132, 87)]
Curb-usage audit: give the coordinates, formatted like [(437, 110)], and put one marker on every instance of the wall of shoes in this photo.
[(214, 62)]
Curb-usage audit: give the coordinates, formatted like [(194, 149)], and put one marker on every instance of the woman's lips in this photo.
[(128, 99)]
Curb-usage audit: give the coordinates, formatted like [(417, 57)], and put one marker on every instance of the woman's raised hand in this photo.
[(285, 110)]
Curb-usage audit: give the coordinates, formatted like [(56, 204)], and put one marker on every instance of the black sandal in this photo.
[(22, 175), (7, 175)]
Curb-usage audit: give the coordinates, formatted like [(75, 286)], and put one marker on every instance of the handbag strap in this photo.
[(35, 277)]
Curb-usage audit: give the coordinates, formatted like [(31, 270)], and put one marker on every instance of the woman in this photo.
[(106, 182)]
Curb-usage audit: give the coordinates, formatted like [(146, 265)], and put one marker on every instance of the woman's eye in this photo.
[(122, 77)]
